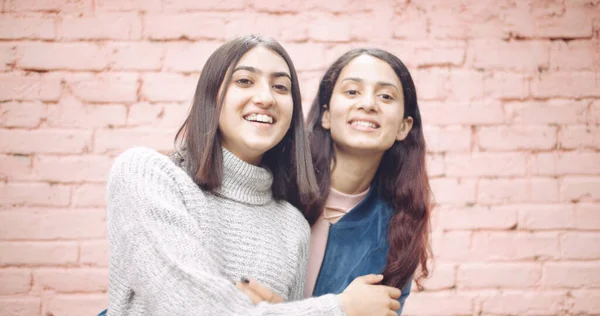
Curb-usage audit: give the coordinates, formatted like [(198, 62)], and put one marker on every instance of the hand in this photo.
[(363, 297), (258, 292)]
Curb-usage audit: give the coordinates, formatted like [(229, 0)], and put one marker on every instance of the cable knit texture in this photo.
[(177, 250)]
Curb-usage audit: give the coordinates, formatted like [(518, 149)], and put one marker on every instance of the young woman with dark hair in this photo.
[(224, 207), (368, 150)]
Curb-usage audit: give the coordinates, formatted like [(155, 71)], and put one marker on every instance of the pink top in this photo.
[(336, 206)]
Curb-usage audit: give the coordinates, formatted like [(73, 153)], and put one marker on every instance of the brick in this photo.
[(71, 113), (440, 277), (571, 274), (453, 191), (498, 275), (510, 246), (446, 303), (89, 195), (184, 26), (504, 138), (38, 253), (19, 306), (167, 115), (330, 28), (564, 84), (72, 168), (505, 85), (30, 27), (575, 163), (35, 194), (290, 27), (334, 6), (472, 113), (188, 57), (477, 217), (435, 165), (479, 164), (111, 26), (136, 56), (208, 5), (22, 114), (547, 112), (410, 23), (15, 281), (427, 53), (544, 190), (59, 56), (579, 136), (451, 245), (113, 140), (15, 167), (128, 5), (168, 87), (525, 303), (587, 216), (105, 87), (44, 141), (580, 188), (455, 20), (75, 305), (380, 26), (501, 191), (432, 83), (546, 216), (289, 7), (51, 224), (467, 85), (514, 55), (29, 87), (72, 280), (586, 301), (447, 139), (7, 56), (51, 5), (577, 246), (575, 55), (594, 113), (94, 253), (307, 56), (574, 21)]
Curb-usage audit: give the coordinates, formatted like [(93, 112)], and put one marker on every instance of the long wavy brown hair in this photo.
[(401, 178)]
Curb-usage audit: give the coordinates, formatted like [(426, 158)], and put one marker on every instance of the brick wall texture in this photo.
[(509, 91)]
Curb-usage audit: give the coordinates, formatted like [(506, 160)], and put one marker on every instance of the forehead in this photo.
[(370, 69), (264, 59)]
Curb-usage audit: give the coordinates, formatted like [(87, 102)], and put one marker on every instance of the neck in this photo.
[(352, 173)]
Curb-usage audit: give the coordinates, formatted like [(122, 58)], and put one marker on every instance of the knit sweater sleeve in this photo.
[(163, 261), (297, 290)]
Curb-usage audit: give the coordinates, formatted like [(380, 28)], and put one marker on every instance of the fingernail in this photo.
[(244, 280)]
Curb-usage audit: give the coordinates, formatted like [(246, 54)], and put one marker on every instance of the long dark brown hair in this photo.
[(401, 177), (289, 161)]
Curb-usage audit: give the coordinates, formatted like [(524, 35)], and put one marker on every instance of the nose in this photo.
[(263, 96), (367, 102)]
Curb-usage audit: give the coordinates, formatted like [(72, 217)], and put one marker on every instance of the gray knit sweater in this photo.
[(177, 250)]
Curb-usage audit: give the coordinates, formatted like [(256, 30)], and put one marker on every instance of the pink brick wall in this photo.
[(509, 91)]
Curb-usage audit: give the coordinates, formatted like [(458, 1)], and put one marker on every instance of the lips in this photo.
[(364, 123), (260, 118)]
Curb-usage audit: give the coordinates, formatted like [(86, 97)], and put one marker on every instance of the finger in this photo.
[(370, 278), (393, 292), (394, 305), (264, 292), (254, 297), (391, 313)]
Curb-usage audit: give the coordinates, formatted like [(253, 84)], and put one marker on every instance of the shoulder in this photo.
[(141, 161)]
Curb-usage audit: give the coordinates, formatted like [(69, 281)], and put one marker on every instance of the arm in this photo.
[(158, 243), (297, 290)]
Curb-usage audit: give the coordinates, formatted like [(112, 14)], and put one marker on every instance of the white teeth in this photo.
[(259, 118), (364, 124)]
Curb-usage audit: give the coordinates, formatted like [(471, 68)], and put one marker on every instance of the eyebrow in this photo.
[(380, 83), (256, 70)]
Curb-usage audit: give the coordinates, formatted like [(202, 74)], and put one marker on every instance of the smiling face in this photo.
[(258, 107), (366, 109)]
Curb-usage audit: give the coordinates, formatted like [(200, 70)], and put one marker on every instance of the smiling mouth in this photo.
[(259, 118), (364, 124)]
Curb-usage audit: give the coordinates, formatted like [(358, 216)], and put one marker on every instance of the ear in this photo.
[(326, 120), (405, 127)]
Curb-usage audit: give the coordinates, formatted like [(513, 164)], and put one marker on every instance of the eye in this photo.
[(351, 92), (386, 97), (244, 82), (281, 88)]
